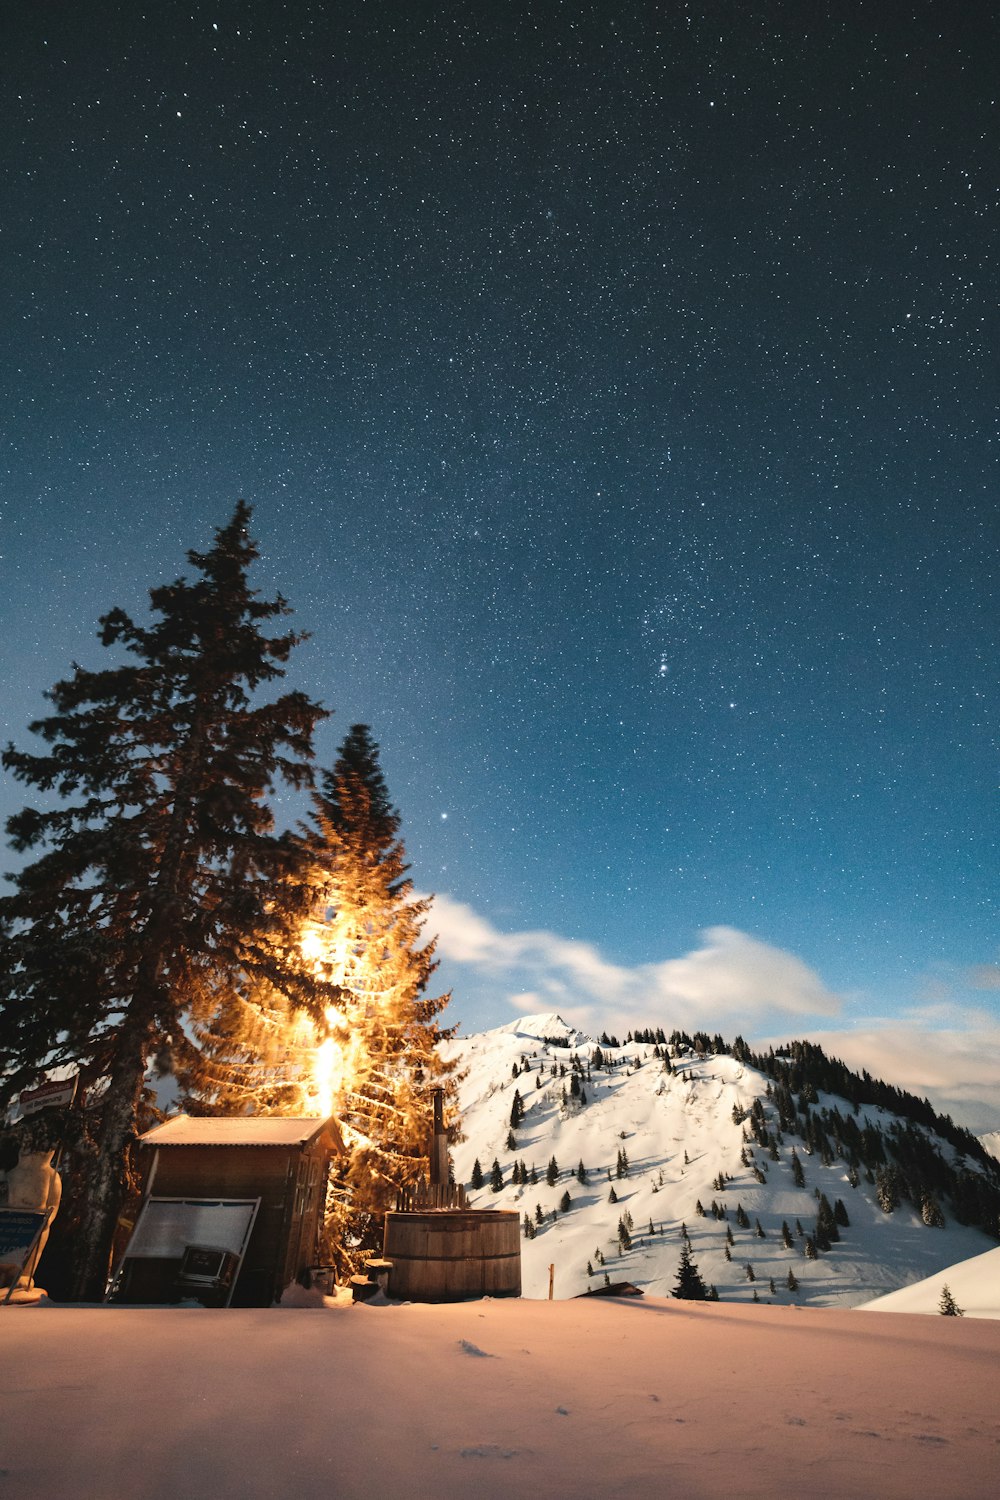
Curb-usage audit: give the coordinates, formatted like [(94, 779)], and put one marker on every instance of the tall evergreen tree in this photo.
[(158, 887), (367, 940)]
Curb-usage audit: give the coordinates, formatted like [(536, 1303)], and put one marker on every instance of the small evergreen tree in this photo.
[(581, 1174), (496, 1177), (552, 1172), (612, 1195), (476, 1180), (565, 1203), (689, 1286), (947, 1306), (791, 1281)]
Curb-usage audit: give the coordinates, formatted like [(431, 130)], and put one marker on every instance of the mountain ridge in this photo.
[(690, 1140)]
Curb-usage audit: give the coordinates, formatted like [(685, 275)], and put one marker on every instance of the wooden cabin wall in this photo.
[(291, 1184)]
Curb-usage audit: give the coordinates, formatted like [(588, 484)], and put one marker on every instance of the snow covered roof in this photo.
[(243, 1130)]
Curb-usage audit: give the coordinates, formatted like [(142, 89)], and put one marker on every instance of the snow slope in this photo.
[(974, 1284), (589, 1399), (678, 1132)]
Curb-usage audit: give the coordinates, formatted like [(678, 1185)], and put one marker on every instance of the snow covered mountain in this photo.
[(991, 1142), (626, 1149)]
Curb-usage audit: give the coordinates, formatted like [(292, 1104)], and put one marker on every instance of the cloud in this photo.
[(732, 982), (730, 975)]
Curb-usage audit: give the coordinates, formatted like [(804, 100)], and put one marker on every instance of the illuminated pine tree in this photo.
[(366, 939)]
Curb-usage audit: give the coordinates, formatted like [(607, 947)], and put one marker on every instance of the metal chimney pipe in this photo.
[(439, 1144)]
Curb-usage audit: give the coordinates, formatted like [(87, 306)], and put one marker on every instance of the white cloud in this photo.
[(733, 982), (730, 975)]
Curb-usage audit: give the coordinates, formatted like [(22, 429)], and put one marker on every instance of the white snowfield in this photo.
[(974, 1284), (678, 1132), (585, 1399)]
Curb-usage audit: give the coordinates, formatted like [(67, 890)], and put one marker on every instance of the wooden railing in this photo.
[(428, 1197)]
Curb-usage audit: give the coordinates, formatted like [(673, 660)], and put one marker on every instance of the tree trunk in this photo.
[(107, 1178)]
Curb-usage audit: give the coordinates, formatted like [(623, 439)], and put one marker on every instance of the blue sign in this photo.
[(19, 1229)]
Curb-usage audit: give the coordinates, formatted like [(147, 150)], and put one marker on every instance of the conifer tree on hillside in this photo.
[(689, 1286), (158, 888)]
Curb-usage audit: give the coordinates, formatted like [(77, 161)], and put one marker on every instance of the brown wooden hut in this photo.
[(231, 1208)]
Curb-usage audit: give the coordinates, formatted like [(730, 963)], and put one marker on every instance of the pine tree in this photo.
[(496, 1177), (160, 894), (612, 1195), (930, 1211), (624, 1238), (798, 1176), (476, 1181), (552, 1172), (581, 1174), (511, 1143), (689, 1286), (565, 1203), (792, 1281), (947, 1306), (366, 937), (516, 1110), (887, 1189)]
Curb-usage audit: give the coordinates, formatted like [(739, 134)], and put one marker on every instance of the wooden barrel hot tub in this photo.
[(450, 1255)]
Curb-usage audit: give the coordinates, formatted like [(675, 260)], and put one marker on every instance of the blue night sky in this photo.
[(616, 388)]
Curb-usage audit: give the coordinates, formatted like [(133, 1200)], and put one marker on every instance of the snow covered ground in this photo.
[(593, 1398), (974, 1284)]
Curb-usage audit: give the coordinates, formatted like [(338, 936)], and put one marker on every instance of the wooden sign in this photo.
[(61, 1091)]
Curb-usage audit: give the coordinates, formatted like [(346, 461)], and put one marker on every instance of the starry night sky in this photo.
[(616, 389)]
